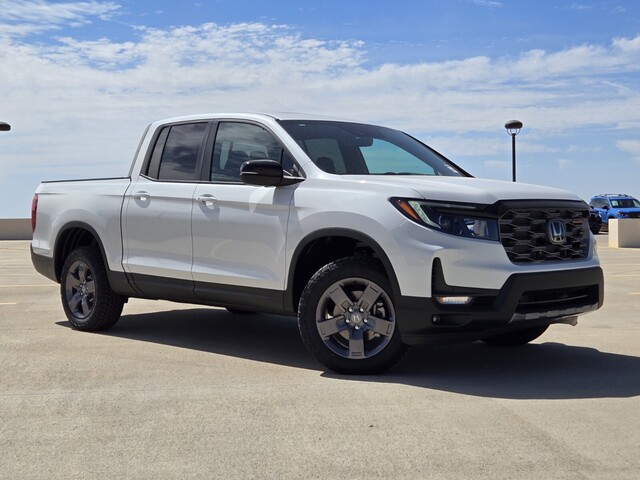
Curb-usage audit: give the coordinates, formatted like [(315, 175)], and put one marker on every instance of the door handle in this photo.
[(142, 196), (207, 199)]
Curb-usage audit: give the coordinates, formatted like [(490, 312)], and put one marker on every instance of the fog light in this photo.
[(450, 300)]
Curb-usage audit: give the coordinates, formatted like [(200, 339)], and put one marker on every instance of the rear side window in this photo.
[(176, 154)]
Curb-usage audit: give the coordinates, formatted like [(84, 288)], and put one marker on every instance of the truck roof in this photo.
[(263, 116)]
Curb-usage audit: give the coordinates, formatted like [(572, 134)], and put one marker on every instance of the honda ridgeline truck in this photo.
[(371, 238)]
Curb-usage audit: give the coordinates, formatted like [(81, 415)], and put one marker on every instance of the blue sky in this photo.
[(80, 80)]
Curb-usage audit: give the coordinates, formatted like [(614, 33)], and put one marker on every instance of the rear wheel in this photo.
[(516, 338), (347, 318), (87, 298)]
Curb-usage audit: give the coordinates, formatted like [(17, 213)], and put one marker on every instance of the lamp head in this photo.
[(513, 127)]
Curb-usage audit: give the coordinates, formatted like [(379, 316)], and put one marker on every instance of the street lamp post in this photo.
[(4, 127), (513, 128)]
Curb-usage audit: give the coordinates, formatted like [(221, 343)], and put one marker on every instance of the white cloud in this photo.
[(76, 103), (263, 66), (632, 147), (580, 7), (488, 3), (627, 44), (23, 17), (566, 164)]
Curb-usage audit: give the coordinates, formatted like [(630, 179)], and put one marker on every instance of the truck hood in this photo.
[(466, 189)]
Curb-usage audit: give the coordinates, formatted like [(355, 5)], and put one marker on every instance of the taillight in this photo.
[(34, 211)]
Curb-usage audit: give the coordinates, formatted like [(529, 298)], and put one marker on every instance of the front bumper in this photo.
[(525, 300)]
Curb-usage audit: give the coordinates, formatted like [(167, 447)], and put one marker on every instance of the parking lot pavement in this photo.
[(182, 391)]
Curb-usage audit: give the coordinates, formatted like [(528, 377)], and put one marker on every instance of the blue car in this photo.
[(615, 205)]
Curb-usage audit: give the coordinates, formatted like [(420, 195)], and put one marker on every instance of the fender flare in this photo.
[(119, 281), (337, 232)]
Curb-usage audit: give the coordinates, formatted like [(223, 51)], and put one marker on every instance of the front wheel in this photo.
[(347, 318), (517, 337), (87, 298)]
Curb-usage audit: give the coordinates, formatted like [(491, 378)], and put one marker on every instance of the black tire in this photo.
[(517, 337), (596, 229), (347, 318), (87, 298)]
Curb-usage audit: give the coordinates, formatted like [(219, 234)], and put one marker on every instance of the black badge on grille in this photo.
[(557, 231)]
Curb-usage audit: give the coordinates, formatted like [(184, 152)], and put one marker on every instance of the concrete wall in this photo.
[(624, 233), (15, 229)]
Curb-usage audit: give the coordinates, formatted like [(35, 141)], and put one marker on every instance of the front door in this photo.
[(239, 230)]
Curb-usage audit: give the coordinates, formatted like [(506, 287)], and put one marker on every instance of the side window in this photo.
[(289, 165), (154, 163), (175, 155), (235, 144)]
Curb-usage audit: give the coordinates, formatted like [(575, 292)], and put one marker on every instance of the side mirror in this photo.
[(264, 173)]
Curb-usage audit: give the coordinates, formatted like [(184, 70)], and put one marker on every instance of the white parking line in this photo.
[(18, 274), (27, 286)]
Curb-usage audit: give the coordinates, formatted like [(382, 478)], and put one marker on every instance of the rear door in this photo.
[(157, 212)]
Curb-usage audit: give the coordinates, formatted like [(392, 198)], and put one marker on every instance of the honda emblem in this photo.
[(557, 231)]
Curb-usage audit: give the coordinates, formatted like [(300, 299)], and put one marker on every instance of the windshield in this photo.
[(358, 149), (625, 203)]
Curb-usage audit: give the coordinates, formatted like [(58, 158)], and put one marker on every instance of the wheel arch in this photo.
[(324, 246), (70, 237)]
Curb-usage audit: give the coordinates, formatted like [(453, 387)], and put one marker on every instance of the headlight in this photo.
[(449, 218)]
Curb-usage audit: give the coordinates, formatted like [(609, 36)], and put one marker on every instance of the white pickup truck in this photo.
[(373, 239)]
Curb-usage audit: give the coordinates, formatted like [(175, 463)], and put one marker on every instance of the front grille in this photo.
[(525, 238)]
